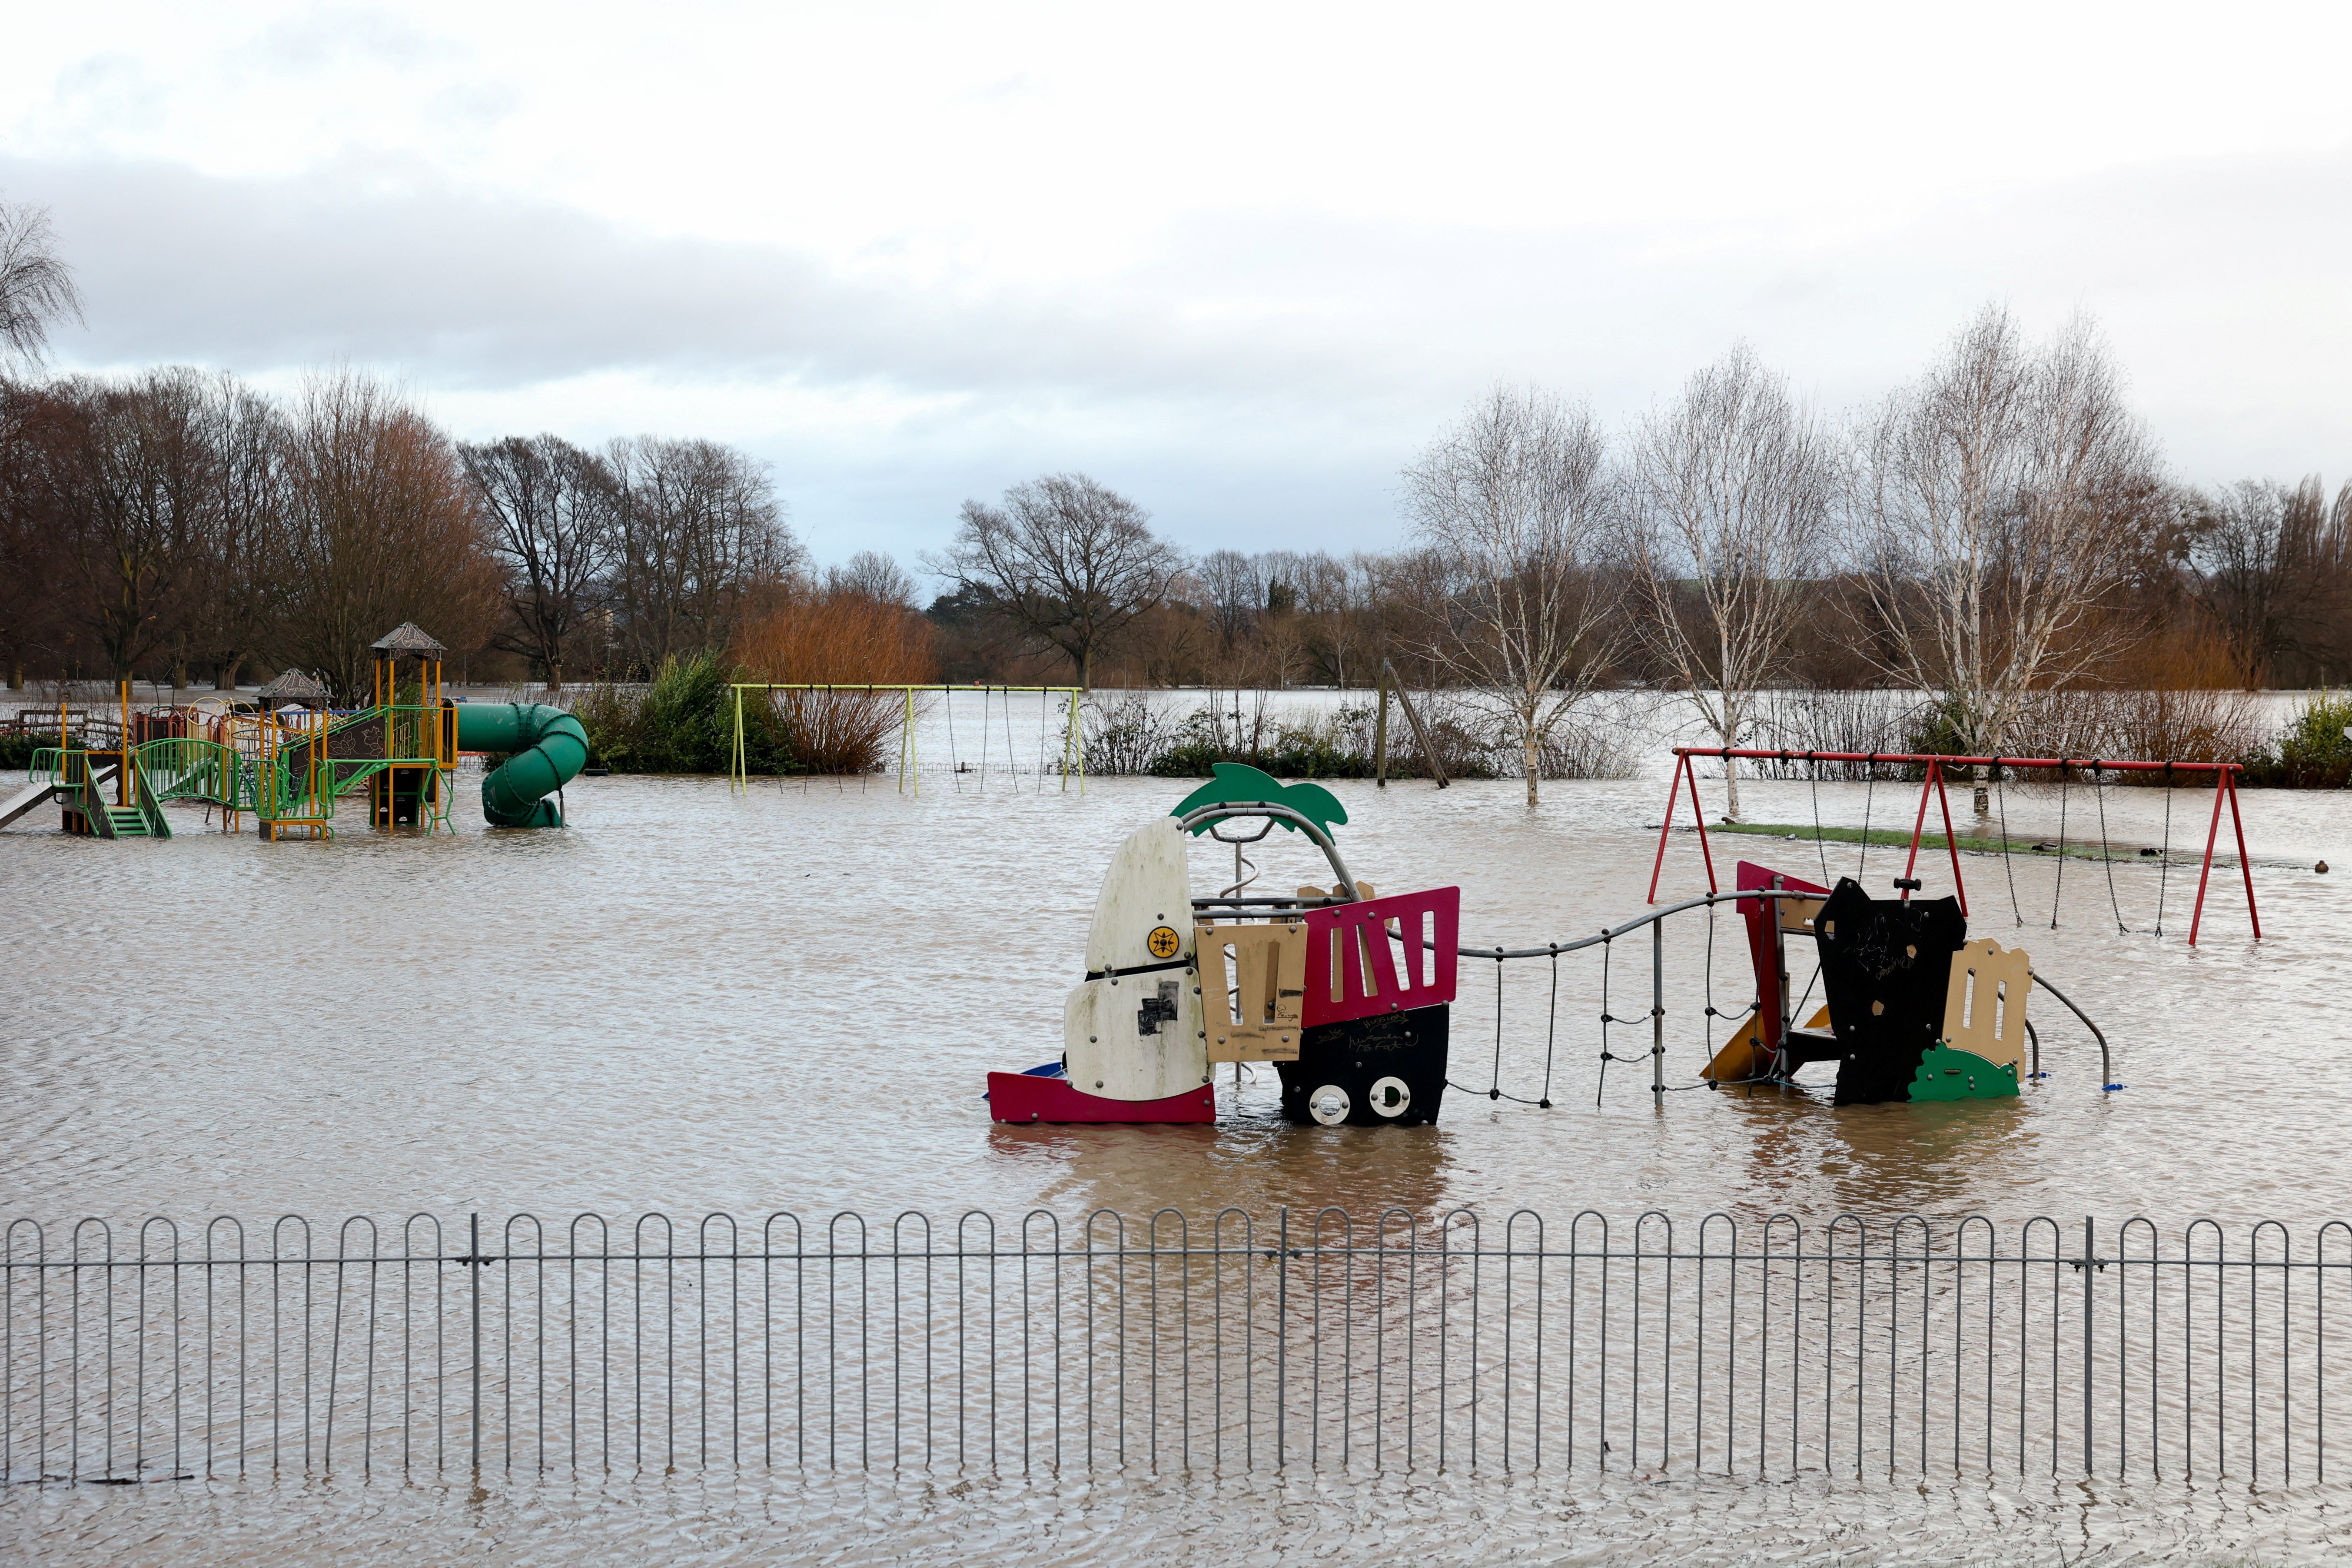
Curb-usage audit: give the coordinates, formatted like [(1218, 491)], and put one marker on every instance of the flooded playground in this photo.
[(693, 999)]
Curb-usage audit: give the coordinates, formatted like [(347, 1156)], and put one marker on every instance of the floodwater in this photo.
[(694, 999)]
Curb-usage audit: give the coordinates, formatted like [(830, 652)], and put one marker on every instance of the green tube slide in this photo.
[(546, 748)]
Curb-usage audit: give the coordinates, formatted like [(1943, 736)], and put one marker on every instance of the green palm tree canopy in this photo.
[(1238, 783)]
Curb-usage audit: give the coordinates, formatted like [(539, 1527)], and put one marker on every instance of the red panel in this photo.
[(1382, 971), (1018, 1097), (1762, 916)]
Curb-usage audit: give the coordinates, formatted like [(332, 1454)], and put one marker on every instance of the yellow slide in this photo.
[(1743, 1055)]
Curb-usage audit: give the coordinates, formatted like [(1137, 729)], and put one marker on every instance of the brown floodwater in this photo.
[(693, 1000)]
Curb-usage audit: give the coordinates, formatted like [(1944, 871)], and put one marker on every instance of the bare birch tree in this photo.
[(37, 287), (1513, 502), (2003, 501), (1731, 487)]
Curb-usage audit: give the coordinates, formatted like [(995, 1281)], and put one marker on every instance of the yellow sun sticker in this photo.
[(1162, 942)]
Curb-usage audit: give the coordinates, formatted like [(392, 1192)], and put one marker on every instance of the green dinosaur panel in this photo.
[(1238, 783), (1947, 1073)]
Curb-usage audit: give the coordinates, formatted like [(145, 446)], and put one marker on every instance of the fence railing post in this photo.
[(2089, 1263), (1657, 1012), (1281, 1328), (474, 1278)]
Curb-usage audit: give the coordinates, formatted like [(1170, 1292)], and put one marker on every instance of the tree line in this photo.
[(182, 523), (2000, 536)]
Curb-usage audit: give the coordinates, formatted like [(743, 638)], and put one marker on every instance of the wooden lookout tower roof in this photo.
[(293, 687), (408, 640)]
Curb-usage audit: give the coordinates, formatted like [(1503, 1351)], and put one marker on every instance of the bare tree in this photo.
[(553, 509), (2003, 501), (236, 602), (40, 434), (702, 540), (381, 528), (2270, 564), (873, 574), (1066, 560), (139, 501), (1730, 495), (1235, 592), (1513, 504), (37, 287)]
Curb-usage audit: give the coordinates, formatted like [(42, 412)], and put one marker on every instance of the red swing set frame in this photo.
[(2225, 787)]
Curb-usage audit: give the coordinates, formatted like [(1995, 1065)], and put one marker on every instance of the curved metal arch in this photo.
[(1287, 815)]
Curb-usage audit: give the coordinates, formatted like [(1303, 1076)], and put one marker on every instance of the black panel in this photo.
[(1885, 968), (1359, 1053)]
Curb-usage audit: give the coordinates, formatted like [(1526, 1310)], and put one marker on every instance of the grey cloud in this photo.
[(471, 292), (1256, 373)]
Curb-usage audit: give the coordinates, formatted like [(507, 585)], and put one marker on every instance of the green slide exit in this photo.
[(546, 748)]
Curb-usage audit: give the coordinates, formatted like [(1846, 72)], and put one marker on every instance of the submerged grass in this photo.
[(1970, 844)]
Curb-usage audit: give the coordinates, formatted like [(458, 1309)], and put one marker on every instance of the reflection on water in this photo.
[(692, 1000), (1878, 1160), (1066, 1519)]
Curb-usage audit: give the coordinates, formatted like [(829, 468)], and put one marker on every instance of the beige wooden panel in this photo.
[(1263, 969), (1984, 1009), (1796, 914)]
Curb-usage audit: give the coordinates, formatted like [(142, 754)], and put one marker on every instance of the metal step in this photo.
[(128, 821)]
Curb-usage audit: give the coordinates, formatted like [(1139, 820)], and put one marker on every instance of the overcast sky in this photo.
[(1237, 261)]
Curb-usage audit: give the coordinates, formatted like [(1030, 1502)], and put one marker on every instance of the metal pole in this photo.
[(1281, 1327), (2246, 867), (2205, 872), (474, 1274), (1658, 1013), (1380, 733), (2087, 1254), (907, 745)]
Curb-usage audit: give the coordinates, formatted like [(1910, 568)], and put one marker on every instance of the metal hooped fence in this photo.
[(1174, 1342)]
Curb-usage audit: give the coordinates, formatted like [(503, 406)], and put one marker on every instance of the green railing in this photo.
[(182, 769), (71, 770), (287, 786)]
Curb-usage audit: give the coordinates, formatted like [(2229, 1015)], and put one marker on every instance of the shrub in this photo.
[(1128, 735), (2311, 753), (684, 722), (809, 638)]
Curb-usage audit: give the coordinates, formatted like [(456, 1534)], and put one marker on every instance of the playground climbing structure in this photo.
[(290, 768)]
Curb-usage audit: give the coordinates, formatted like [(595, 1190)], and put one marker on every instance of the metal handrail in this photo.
[(2106, 1065)]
